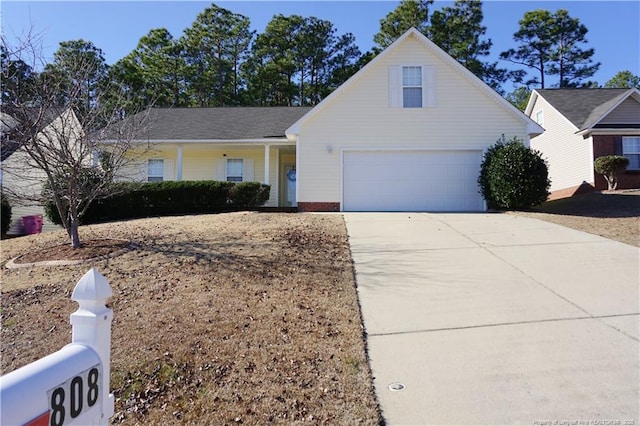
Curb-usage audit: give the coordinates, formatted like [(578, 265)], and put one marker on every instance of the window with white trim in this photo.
[(631, 150), (235, 169), (155, 170), (412, 87), (540, 118)]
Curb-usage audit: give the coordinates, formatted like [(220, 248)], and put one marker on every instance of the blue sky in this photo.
[(116, 26)]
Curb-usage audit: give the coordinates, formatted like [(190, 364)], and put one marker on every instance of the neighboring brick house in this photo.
[(582, 125)]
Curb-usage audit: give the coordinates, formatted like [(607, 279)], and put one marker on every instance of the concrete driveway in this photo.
[(497, 319)]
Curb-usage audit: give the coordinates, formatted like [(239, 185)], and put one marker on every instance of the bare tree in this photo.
[(58, 145)]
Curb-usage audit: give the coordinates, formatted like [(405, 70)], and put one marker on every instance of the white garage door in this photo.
[(411, 181)]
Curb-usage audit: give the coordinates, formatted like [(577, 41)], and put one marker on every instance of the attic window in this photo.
[(540, 118), (412, 87)]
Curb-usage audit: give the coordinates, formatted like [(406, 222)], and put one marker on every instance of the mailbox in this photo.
[(70, 386)]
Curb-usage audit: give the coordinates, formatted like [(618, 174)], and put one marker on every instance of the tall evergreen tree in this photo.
[(17, 77), (79, 71), (298, 61), (214, 46), (519, 97), (458, 30), (410, 13), (154, 72), (274, 61), (623, 80), (570, 62), (549, 44)]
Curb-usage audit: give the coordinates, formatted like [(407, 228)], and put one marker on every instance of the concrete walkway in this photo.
[(497, 319)]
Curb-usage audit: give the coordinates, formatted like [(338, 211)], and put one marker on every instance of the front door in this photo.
[(288, 182)]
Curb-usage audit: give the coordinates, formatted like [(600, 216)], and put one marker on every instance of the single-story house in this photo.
[(21, 180), (582, 125), (406, 133), (227, 144)]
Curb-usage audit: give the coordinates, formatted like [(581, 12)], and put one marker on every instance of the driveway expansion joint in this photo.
[(503, 324)]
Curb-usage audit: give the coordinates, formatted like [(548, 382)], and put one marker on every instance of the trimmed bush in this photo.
[(249, 194), (6, 214), (513, 176), (170, 198), (609, 166)]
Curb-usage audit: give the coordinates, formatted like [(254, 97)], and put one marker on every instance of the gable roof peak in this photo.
[(532, 127), (584, 107)]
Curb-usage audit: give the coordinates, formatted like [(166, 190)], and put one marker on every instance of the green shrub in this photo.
[(169, 198), (513, 176), (249, 194), (6, 213), (609, 166)]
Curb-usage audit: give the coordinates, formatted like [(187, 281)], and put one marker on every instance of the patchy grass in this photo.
[(610, 214), (219, 319)]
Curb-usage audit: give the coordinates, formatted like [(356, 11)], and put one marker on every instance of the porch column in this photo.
[(179, 163), (266, 164)]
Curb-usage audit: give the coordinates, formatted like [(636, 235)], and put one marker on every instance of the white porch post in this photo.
[(266, 163), (179, 164)]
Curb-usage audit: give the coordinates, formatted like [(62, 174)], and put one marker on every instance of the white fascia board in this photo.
[(532, 101), (609, 131), (270, 141)]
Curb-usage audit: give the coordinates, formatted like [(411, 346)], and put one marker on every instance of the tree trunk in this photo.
[(73, 233), (74, 224)]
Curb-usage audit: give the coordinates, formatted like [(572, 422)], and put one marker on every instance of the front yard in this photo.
[(220, 319), (614, 215), (235, 318)]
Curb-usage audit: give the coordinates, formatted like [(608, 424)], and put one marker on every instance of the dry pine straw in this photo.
[(223, 319)]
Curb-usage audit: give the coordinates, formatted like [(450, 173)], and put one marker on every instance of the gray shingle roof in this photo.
[(583, 107), (225, 123)]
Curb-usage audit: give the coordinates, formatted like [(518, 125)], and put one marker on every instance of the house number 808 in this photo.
[(77, 394)]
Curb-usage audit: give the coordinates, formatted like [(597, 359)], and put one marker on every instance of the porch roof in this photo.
[(220, 124)]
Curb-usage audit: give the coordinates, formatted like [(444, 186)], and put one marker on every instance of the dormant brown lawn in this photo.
[(244, 318), (220, 319)]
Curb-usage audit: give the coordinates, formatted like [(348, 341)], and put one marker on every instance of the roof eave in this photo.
[(630, 131), (261, 141), (534, 129)]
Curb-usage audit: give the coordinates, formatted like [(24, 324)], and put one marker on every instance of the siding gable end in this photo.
[(438, 60), (628, 112)]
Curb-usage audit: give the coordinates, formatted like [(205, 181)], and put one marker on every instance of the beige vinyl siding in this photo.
[(628, 112), (202, 162), (568, 155), (360, 117)]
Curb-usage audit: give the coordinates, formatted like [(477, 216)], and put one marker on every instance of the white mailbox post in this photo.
[(70, 386)]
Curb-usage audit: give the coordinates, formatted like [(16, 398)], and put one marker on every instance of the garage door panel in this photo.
[(411, 181)]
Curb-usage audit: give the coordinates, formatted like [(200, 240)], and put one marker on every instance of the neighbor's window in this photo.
[(631, 150), (155, 170), (412, 87), (540, 118), (234, 170)]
